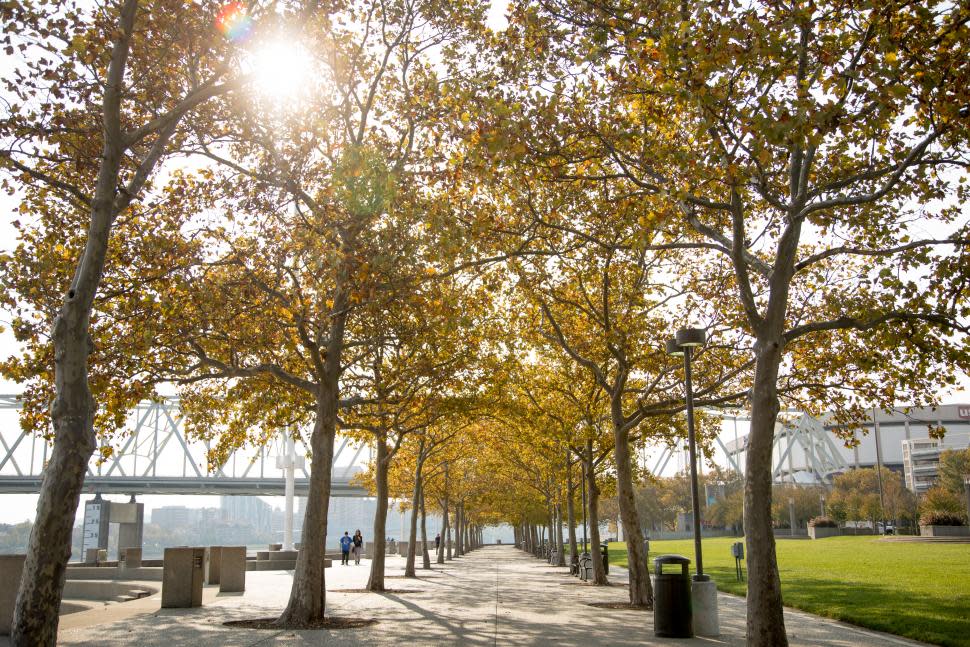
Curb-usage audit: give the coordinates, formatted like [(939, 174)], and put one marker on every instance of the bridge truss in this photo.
[(802, 450), (156, 457)]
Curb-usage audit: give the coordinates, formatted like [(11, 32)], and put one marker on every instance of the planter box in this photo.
[(944, 531), (823, 532)]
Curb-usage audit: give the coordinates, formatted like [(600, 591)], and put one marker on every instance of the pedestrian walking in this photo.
[(345, 543), (358, 546), (437, 541)]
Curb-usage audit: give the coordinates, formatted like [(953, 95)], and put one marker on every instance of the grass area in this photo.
[(917, 590)]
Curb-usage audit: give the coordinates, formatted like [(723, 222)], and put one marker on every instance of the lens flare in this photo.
[(234, 21), (281, 70)]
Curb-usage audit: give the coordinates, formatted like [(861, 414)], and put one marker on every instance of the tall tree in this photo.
[(96, 104), (798, 143)]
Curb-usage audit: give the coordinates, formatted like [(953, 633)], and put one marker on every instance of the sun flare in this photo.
[(282, 71)]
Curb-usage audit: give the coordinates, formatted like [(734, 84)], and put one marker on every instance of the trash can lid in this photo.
[(670, 559)]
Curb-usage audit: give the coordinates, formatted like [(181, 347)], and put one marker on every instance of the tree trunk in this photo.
[(571, 518), (444, 528), (308, 594), (376, 580), (766, 623), (38, 600), (425, 557), (560, 547), (641, 593), (593, 493), (449, 554), (459, 522), (413, 534)]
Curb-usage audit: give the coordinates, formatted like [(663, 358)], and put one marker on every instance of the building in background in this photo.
[(808, 450), (172, 516), (249, 510), (921, 459)]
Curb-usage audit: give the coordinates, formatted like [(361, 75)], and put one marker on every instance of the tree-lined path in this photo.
[(495, 595)]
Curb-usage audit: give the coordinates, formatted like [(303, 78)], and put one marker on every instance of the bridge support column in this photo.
[(130, 530)]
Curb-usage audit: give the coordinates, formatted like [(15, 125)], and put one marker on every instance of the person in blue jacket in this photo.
[(345, 543)]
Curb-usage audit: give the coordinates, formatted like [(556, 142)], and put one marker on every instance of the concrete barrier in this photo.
[(213, 564), (276, 546), (11, 568), (106, 590), (144, 573), (130, 558), (402, 548), (182, 577), (233, 576)]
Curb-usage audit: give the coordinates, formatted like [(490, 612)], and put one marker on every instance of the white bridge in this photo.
[(156, 457)]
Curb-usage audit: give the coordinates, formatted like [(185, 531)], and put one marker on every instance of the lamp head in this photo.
[(691, 337), (673, 348)]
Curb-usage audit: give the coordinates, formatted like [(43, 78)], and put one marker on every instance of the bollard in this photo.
[(233, 576), (11, 568), (182, 574)]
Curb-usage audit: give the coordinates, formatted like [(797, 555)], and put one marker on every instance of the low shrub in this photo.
[(941, 518), (822, 522)]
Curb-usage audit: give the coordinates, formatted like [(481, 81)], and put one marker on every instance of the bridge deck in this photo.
[(181, 485)]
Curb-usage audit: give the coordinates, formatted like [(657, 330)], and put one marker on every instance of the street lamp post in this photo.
[(791, 515), (682, 344), (966, 488), (703, 593), (585, 523)]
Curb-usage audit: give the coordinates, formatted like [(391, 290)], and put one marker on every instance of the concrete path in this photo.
[(497, 595)]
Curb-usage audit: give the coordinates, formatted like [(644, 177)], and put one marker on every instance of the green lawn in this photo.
[(917, 590)]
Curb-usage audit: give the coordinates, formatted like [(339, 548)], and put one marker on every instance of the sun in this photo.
[(282, 71)]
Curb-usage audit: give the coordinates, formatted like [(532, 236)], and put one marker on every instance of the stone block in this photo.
[(284, 555), (944, 531), (95, 555), (369, 549), (402, 548), (263, 555), (213, 564), (703, 599), (11, 568), (130, 558), (276, 546), (233, 577), (182, 575)]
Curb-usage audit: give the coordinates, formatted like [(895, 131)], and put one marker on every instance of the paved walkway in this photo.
[(497, 595)]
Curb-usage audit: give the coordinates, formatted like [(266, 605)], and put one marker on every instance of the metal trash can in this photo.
[(672, 614), (605, 552)]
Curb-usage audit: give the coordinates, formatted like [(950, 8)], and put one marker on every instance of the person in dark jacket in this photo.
[(358, 547)]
